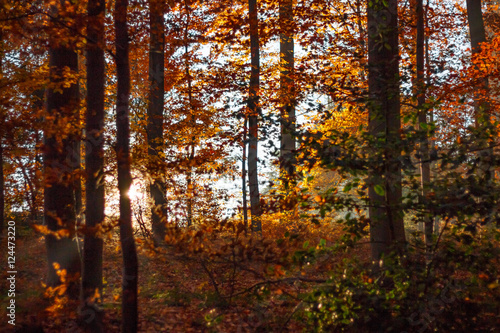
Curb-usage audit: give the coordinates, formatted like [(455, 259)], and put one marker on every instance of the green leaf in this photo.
[(379, 189)]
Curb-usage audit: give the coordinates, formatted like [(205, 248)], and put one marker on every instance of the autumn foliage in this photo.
[(363, 134)]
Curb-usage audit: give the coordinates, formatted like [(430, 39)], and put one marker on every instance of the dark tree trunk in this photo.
[(244, 174), (287, 91), (425, 167), (94, 167), (155, 117), (482, 107), (59, 164), (386, 218), (478, 36), (129, 253), (254, 110)]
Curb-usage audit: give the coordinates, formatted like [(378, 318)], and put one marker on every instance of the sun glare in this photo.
[(135, 192)]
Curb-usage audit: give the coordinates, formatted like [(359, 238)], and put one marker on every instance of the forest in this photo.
[(250, 166)]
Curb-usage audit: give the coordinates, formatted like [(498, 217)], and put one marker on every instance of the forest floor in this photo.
[(209, 287), (176, 294)]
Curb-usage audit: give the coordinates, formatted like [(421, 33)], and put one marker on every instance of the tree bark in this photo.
[(155, 117), (94, 168), (386, 218), (425, 167), (244, 174), (129, 253), (287, 91), (478, 36), (59, 164), (254, 111)]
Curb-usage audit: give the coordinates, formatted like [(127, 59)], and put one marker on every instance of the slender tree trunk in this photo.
[(425, 169), (254, 110), (155, 117), (2, 196), (386, 219), (244, 173), (192, 141), (130, 269), (94, 168), (78, 181), (189, 194), (429, 83), (38, 105), (361, 31), (59, 204), (2, 126), (287, 92)]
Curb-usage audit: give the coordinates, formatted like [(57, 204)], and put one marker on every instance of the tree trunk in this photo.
[(155, 117), (2, 197), (254, 110), (38, 105), (478, 36), (78, 180), (481, 105), (244, 174), (2, 123), (59, 164), (425, 169), (428, 82), (192, 119), (94, 168), (386, 219), (287, 92), (130, 269)]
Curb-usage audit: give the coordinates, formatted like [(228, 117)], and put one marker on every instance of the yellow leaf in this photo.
[(493, 285)]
